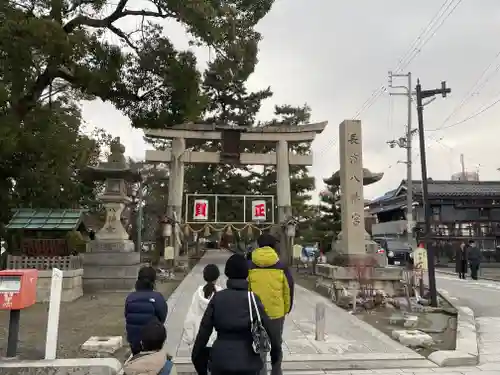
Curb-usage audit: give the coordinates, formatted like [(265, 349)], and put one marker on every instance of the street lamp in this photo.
[(290, 228)]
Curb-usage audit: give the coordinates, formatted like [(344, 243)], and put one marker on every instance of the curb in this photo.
[(326, 362), (478, 277), (467, 347)]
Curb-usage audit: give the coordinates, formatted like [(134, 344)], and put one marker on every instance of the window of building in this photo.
[(436, 213), (466, 229), (486, 229), (484, 213)]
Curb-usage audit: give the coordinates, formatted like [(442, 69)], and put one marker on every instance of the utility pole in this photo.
[(406, 142), (422, 94), (462, 163)]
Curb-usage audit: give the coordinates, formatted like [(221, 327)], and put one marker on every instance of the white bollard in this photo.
[(320, 321), (54, 310)]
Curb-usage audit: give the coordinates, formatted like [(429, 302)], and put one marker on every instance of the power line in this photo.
[(479, 112), (416, 47), (478, 85), (446, 16)]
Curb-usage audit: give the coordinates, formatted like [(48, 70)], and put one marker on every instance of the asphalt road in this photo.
[(481, 296)]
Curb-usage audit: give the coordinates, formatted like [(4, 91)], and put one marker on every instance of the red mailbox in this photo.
[(17, 289)]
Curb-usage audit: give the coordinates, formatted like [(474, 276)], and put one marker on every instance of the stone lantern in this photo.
[(112, 262)]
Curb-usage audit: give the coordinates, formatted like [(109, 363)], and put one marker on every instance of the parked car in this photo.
[(310, 251), (399, 253)]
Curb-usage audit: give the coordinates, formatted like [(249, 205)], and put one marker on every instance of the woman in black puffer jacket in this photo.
[(229, 314)]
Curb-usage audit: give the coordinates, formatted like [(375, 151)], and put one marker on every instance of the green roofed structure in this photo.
[(47, 219), (47, 232)]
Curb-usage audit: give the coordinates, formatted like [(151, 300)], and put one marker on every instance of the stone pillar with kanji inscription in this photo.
[(353, 241), (351, 185)]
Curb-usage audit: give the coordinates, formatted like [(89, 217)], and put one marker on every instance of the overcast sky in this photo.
[(334, 54)]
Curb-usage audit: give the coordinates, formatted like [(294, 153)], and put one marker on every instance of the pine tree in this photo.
[(301, 184), (327, 224), (228, 103)]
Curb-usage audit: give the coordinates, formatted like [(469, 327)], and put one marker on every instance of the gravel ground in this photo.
[(90, 315), (98, 315)]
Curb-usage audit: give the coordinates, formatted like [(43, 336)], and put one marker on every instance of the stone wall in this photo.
[(387, 279), (71, 285)]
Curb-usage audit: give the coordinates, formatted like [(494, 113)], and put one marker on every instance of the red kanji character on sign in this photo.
[(260, 210), (201, 209)]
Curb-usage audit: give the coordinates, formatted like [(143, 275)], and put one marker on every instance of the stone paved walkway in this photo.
[(348, 338)]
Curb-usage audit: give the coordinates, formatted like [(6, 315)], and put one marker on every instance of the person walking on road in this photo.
[(474, 257), (461, 261), (273, 283), (232, 313), (199, 303)]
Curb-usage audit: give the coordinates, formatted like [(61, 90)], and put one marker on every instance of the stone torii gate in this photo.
[(233, 139)]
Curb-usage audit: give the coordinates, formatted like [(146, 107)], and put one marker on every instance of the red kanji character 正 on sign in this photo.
[(201, 209), (260, 210)]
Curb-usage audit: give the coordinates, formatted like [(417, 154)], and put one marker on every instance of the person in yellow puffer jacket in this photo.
[(272, 282)]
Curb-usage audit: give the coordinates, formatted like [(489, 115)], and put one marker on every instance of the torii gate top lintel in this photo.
[(305, 132)]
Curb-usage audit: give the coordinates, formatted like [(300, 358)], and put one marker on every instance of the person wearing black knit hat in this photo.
[(199, 303), (236, 268), (228, 313), (151, 359)]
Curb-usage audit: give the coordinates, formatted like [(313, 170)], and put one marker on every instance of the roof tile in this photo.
[(46, 219), (458, 188)]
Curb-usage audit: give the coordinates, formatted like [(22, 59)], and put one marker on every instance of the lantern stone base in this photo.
[(71, 285), (344, 279), (110, 270), (352, 260)]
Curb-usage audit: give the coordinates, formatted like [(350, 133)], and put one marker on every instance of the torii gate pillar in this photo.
[(176, 189), (283, 181)]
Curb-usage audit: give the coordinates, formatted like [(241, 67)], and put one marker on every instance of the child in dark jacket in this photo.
[(143, 306)]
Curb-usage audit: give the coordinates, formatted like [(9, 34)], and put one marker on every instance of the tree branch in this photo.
[(81, 20), (52, 71), (118, 13), (123, 36)]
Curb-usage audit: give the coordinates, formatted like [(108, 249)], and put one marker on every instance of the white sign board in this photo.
[(54, 310), (259, 210), (169, 253), (200, 211)]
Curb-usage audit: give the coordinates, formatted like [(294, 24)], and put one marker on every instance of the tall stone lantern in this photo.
[(112, 263)]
